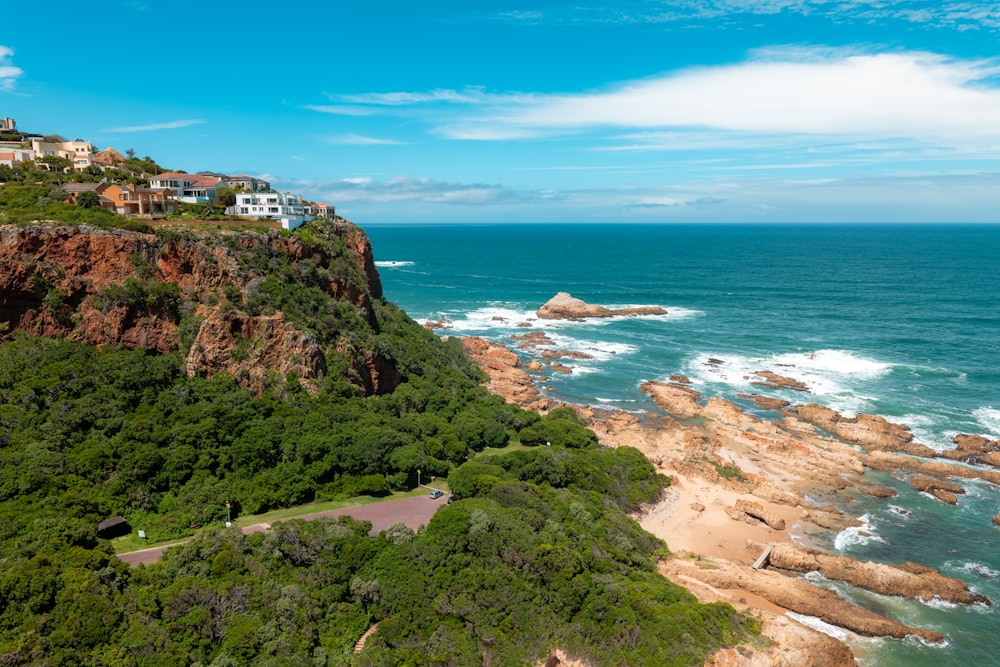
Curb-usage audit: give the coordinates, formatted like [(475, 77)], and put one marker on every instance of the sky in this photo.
[(538, 111)]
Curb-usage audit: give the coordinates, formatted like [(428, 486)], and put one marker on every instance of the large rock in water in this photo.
[(564, 306)]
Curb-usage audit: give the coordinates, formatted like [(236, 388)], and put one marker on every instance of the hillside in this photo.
[(157, 374)]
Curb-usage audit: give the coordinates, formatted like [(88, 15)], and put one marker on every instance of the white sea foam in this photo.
[(899, 511), (926, 432), (989, 418), (392, 263), (834, 375), (495, 317), (599, 350), (819, 625), (978, 569), (862, 534)]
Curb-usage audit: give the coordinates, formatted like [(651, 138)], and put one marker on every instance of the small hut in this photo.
[(113, 527)]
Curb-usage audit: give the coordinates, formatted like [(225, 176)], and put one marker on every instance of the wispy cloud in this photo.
[(362, 189), (9, 73), (171, 125), (716, 14), (341, 109), (781, 92), (360, 140)]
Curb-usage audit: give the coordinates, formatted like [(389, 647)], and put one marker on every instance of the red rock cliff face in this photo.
[(75, 282)]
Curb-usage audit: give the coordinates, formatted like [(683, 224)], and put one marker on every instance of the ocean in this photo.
[(901, 321)]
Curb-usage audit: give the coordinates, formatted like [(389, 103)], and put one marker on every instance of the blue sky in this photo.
[(635, 111)]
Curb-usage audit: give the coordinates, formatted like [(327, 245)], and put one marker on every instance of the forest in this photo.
[(538, 553)]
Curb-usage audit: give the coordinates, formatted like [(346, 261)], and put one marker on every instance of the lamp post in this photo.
[(229, 515), (418, 477)]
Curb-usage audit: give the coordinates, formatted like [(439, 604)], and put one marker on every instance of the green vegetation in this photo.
[(537, 553)]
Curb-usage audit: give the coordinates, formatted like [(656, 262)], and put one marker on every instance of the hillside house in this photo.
[(10, 155), (281, 206), (72, 190), (8, 125), (323, 210), (128, 200), (246, 183), (188, 188), (79, 153)]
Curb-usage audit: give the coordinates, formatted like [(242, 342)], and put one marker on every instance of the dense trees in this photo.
[(538, 552)]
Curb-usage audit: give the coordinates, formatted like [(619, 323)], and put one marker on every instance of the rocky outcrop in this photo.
[(678, 400), (792, 645), (794, 595), (136, 289), (869, 431), (909, 580), (564, 306), (974, 449), (890, 461), (506, 378)]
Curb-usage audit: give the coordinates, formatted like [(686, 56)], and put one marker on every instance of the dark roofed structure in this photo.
[(113, 527)]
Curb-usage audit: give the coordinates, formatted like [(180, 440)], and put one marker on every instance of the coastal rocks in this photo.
[(507, 379), (564, 306), (868, 431), (765, 402), (775, 381), (974, 449), (792, 645), (890, 461), (677, 400), (908, 580), (680, 379), (757, 511), (876, 490), (943, 491), (996, 520), (794, 595), (830, 520)]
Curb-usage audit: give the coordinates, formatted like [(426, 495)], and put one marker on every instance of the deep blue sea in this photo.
[(901, 321)]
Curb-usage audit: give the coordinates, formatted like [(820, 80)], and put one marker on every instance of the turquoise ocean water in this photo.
[(901, 321)]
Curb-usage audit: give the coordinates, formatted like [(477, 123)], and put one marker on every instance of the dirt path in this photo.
[(414, 511)]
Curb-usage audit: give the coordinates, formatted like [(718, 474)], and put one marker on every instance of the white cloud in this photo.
[(9, 74), (171, 125), (779, 92), (360, 140), (341, 109)]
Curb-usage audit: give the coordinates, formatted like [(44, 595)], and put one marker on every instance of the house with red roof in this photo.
[(188, 188)]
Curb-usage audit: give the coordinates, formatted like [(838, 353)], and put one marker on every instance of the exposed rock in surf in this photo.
[(909, 580), (564, 306), (869, 431), (943, 491), (775, 381), (680, 379)]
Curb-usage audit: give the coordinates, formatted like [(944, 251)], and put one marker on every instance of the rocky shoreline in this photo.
[(739, 495)]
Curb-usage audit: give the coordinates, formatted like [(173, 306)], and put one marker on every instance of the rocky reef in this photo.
[(220, 298)]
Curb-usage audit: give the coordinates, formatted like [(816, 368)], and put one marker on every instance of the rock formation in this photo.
[(868, 431), (135, 289), (504, 370), (678, 400), (943, 491), (563, 306), (775, 381)]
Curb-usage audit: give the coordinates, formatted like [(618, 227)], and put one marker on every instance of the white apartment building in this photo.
[(282, 206), (188, 188)]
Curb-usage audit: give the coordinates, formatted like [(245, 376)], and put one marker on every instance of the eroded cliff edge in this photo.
[(262, 307)]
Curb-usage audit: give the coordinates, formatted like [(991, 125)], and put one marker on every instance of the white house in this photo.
[(282, 206), (189, 188)]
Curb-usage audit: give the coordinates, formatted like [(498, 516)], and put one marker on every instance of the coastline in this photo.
[(741, 484)]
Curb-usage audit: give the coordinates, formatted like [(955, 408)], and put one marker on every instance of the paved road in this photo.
[(414, 511)]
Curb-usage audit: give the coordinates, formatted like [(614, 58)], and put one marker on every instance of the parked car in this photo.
[(436, 493)]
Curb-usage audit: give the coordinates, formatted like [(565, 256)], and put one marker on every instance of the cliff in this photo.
[(261, 307)]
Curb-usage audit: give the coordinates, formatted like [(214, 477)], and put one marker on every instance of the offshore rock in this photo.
[(943, 491), (775, 381), (765, 402), (564, 306)]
